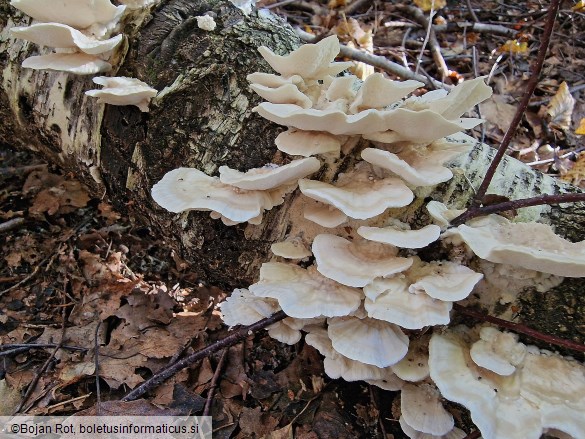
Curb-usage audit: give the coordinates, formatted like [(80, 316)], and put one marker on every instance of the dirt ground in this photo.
[(77, 278)]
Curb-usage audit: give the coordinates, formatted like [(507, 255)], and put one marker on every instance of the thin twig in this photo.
[(375, 404), (10, 224), (522, 329), (13, 349), (518, 204), (29, 277), (530, 87), (213, 385), (434, 45), (564, 156), (377, 61), (230, 340), (468, 26), (355, 6), (471, 11), (96, 352), (33, 385)]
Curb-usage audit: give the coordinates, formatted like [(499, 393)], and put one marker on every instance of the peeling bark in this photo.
[(204, 120)]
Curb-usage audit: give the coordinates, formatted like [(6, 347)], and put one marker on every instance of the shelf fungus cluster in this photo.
[(361, 291), (80, 31), (512, 390)]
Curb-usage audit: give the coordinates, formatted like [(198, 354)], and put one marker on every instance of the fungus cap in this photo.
[(78, 63), (339, 366), (404, 124), (310, 61), (359, 198), (497, 351), (206, 22), (305, 293), (190, 189), (415, 365), (389, 300), (307, 143), (293, 249), (284, 94), (378, 92), (416, 167), (324, 214), (355, 264), (441, 214), (401, 238), (79, 14), (121, 90), (462, 98), (341, 87), (243, 308), (519, 406), (530, 245), (269, 177), (445, 280), (421, 408), (368, 341), (456, 433), (270, 80), (64, 36)]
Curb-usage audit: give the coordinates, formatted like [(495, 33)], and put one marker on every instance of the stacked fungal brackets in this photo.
[(79, 31), (358, 295)]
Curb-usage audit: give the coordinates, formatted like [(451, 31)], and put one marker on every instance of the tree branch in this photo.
[(167, 372), (530, 87)]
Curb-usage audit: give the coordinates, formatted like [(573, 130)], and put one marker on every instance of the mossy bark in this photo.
[(203, 119)]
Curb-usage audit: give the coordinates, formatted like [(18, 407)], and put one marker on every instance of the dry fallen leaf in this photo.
[(560, 108), (427, 5), (514, 46), (576, 175), (581, 128)]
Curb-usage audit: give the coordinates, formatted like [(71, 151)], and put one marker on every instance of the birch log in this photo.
[(203, 119)]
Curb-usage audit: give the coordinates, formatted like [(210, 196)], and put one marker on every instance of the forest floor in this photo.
[(77, 278)]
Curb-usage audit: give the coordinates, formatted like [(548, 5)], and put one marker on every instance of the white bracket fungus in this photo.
[(65, 37), (354, 264), (362, 340), (498, 351), (324, 214), (401, 238), (78, 63), (80, 14), (339, 366), (307, 143), (78, 25), (305, 293), (390, 300), (415, 365), (444, 280), (417, 166), (421, 409), (359, 197), (206, 22), (545, 390), (293, 249), (120, 90), (378, 92), (190, 189), (243, 308), (270, 176), (529, 245), (311, 61)]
